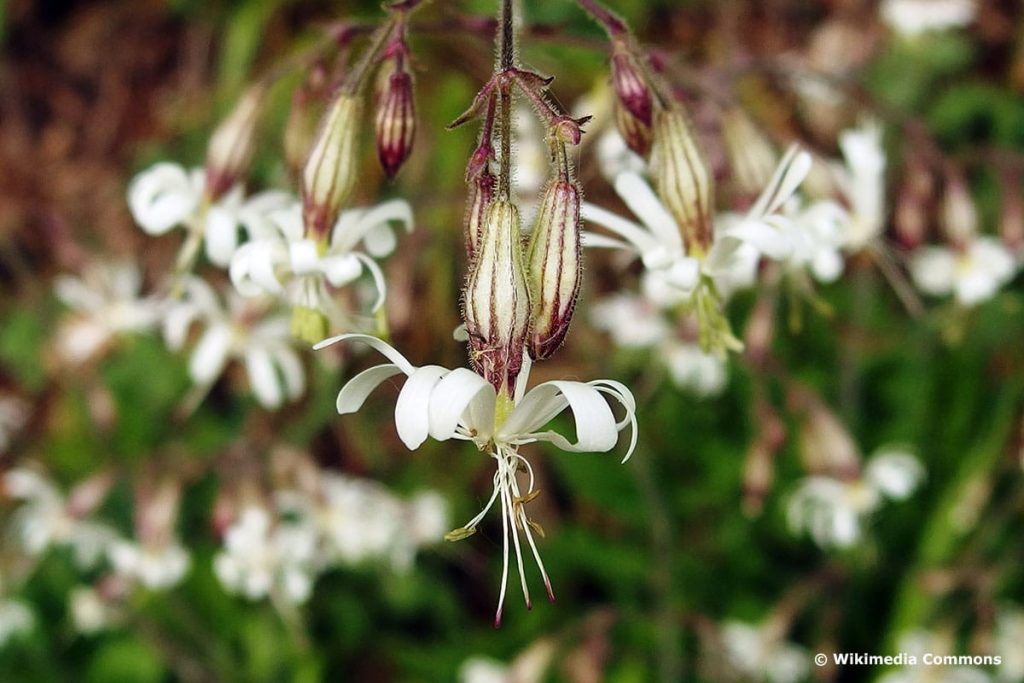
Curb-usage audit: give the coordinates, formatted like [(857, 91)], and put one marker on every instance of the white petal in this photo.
[(452, 396), (162, 197), (895, 473), (641, 240), (263, 379), (291, 370), (356, 390), (176, 323), (788, 176), (380, 241), (340, 269), (378, 279), (646, 206), (595, 424), (383, 347), (412, 418), (934, 270), (210, 355), (221, 235), (76, 294), (596, 240), (347, 236)]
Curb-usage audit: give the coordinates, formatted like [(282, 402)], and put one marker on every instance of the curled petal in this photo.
[(356, 390), (253, 265), (162, 197), (383, 347), (596, 427), (221, 235), (210, 355), (412, 418), (458, 391)]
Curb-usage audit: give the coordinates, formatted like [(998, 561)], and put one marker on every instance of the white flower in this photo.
[(446, 404), (43, 520), (692, 368), (155, 566), (14, 414), (862, 183), (759, 653), (631, 320), (833, 510), (286, 261), (660, 246), (89, 611), (614, 156), (1009, 636), (261, 557), (15, 618), (972, 274), (166, 196), (817, 233), (912, 18), (107, 303), (242, 332)]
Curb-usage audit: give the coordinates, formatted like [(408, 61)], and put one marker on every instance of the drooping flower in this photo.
[(833, 510), (443, 404), (972, 272), (156, 566), (242, 330)]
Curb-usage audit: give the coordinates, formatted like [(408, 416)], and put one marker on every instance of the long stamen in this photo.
[(480, 515), (510, 510), (504, 563), (525, 523)]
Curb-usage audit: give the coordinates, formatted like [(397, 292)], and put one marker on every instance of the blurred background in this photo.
[(696, 560)]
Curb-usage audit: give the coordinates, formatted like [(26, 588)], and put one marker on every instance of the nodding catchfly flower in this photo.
[(445, 404), (517, 305)]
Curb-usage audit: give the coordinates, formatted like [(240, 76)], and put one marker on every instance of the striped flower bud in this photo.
[(331, 167), (496, 299), (231, 146), (683, 178), (555, 267), (751, 156), (635, 132), (481, 193), (395, 123), (630, 85)]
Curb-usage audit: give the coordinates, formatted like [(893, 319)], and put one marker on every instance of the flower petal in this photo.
[(263, 379), (356, 390), (383, 347), (412, 419), (221, 236), (595, 424), (210, 355), (459, 390), (162, 197), (641, 240), (646, 206)]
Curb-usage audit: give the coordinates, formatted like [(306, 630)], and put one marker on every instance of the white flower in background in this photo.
[(263, 556), (817, 233), (156, 566), (973, 274), (243, 331), (90, 613), (918, 643), (614, 156), (833, 510), (167, 196), (15, 619), (459, 404), (912, 18), (14, 414), (760, 653), (1009, 635), (107, 302), (862, 183), (671, 275), (529, 666), (286, 263), (45, 520), (632, 321), (360, 520), (693, 369)]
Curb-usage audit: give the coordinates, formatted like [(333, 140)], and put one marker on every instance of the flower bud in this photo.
[(331, 167), (630, 85), (231, 146), (635, 132), (299, 131), (959, 215), (683, 178), (751, 156), (481, 193), (395, 123), (555, 267), (496, 299), (913, 204)]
